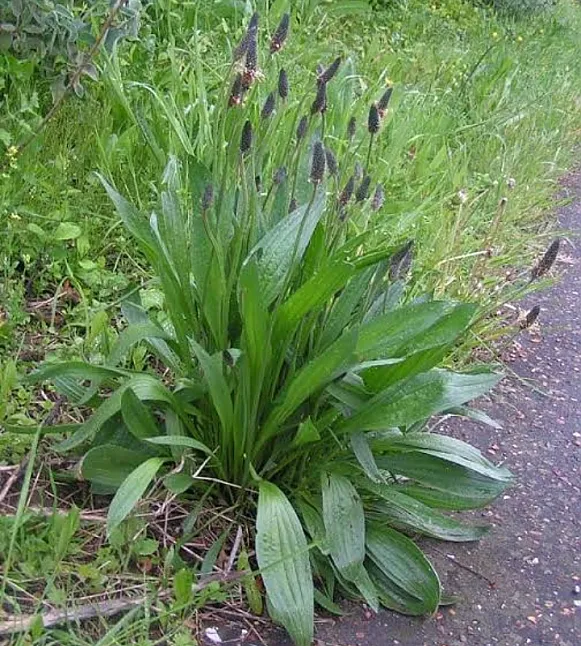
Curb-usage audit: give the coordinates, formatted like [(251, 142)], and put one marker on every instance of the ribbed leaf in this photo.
[(146, 387), (314, 525), (212, 367), (131, 491), (391, 595), (180, 440), (133, 335), (343, 309), (139, 330), (135, 222), (350, 391), (280, 202), (327, 604), (255, 317), (283, 246), (419, 398), (307, 433), (109, 465), (447, 448), (344, 523), (471, 494), (256, 353), (404, 512), (137, 417), (386, 301), (364, 455), (422, 441), (317, 291), (29, 429), (75, 370), (420, 348), (175, 232), (310, 296), (474, 414), (413, 328), (283, 558), (378, 379), (462, 486), (313, 377), (401, 561)]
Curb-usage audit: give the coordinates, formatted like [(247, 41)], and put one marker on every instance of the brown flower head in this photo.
[(268, 107), (283, 84), (302, 127), (363, 189), (330, 72), (384, 101), (530, 318), (351, 126), (320, 102), (378, 198), (246, 138), (347, 192), (250, 34), (236, 93), (318, 163), (547, 261), (280, 35), (373, 120), (401, 261), (332, 166)]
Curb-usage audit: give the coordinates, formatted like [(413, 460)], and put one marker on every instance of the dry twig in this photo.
[(13, 478), (23, 623)]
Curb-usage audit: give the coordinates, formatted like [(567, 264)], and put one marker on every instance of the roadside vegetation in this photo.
[(244, 262)]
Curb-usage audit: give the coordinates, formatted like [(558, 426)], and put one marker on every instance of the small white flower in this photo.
[(511, 182)]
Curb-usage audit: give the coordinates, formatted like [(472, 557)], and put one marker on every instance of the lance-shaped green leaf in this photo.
[(283, 558), (145, 387), (312, 378), (283, 246), (137, 417), (109, 465), (403, 563), (407, 513), (131, 491), (212, 367), (418, 398), (448, 482), (344, 520), (135, 221), (413, 328)]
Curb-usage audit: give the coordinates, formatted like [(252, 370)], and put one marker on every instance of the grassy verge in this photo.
[(483, 109)]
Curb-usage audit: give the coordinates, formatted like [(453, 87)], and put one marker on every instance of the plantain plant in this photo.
[(289, 369)]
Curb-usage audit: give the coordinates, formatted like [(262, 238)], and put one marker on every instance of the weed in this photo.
[(478, 118), (293, 363)]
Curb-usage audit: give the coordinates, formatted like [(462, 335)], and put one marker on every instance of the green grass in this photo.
[(484, 108)]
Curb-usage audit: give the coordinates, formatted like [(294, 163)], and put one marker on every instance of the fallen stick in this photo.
[(48, 512), (12, 479), (235, 549), (23, 623)]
